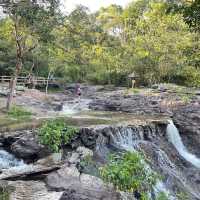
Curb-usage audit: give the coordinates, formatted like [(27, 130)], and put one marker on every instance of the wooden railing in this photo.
[(30, 80)]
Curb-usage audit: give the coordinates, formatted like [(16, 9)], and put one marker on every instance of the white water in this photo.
[(69, 109), (129, 139), (73, 107), (126, 138), (175, 138), (9, 161)]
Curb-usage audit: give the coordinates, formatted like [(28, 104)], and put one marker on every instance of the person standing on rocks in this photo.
[(78, 91)]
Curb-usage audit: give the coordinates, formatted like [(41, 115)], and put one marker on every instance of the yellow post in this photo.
[(133, 83)]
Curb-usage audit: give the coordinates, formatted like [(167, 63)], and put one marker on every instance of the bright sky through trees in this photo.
[(69, 5)]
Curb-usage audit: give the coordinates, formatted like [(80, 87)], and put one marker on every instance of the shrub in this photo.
[(55, 133), (162, 196), (182, 196), (4, 194), (18, 112), (129, 173)]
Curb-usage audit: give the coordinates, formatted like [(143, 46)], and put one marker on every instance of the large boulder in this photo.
[(28, 147), (32, 190), (80, 186)]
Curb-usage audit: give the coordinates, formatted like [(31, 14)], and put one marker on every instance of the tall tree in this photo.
[(32, 23)]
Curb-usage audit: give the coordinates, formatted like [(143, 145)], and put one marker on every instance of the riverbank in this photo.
[(109, 120)]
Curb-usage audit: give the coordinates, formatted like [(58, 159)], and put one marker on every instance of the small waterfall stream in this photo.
[(129, 139), (8, 161), (75, 106), (133, 138), (126, 138), (175, 138)]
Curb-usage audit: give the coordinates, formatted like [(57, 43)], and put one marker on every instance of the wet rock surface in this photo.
[(28, 147), (187, 119), (82, 186), (32, 190), (186, 115), (59, 176)]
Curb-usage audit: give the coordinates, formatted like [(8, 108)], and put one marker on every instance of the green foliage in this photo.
[(129, 173), (4, 194), (182, 196), (135, 90), (162, 196), (56, 133), (18, 112), (106, 46)]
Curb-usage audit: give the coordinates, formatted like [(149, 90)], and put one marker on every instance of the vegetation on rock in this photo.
[(56, 133), (4, 193), (129, 172), (18, 112)]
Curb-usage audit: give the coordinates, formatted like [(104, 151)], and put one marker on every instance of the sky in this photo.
[(93, 5)]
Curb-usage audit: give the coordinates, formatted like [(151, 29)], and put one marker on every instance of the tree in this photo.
[(190, 11), (159, 42), (31, 23)]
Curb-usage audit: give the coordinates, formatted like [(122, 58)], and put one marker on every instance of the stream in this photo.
[(129, 139), (128, 132), (8, 161), (175, 138)]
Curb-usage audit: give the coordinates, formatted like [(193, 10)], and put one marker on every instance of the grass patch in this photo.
[(132, 91), (182, 196), (18, 112), (56, 133), (4, 194)]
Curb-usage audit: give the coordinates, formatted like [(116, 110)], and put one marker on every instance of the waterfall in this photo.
[(126, 138), (9, 161), (175, 138), (129, 139)]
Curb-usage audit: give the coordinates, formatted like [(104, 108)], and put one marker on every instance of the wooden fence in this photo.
[(30, 80)]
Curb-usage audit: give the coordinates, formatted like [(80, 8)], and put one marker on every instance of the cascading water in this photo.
[(9, 161), (126, 138), (73, 107), (129, 139), (175, 138)]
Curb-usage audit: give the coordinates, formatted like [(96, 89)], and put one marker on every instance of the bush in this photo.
[(4, 194), (188, 76), (18, 112), (55, 133), (162, 196), (182, 196), (129, 173)]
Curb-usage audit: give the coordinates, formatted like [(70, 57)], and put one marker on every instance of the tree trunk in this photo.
[(47, 85), (19, 56), (12, 85)]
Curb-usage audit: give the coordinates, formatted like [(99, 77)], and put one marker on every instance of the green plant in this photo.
[(128, 172), (162, 196), (55, 133), (18, 112), (4, 194), (135, 90), (182, 196)]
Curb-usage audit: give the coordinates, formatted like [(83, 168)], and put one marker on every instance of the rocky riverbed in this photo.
[(109, 119)]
